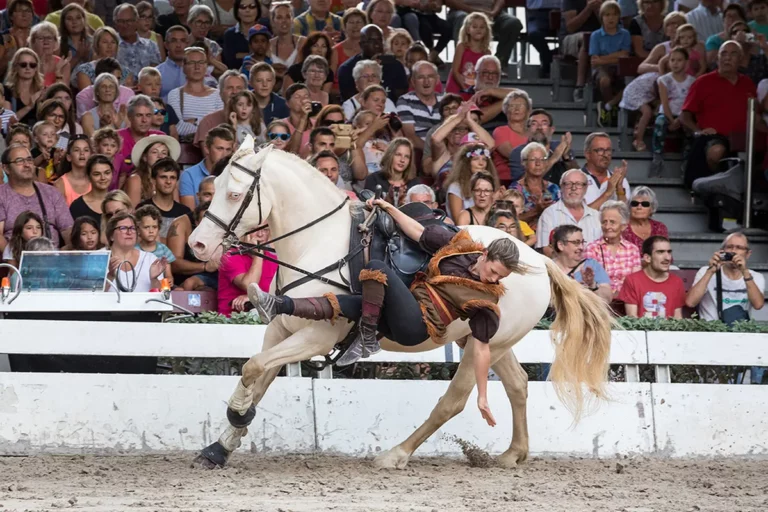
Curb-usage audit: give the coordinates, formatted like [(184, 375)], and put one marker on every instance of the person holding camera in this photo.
[(735, 290)]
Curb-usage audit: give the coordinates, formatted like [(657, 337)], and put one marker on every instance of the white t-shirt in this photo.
[(594, 191), (676, 92), (734, 294), (143, 281), (455, 189), (762, 91), (352, 107)]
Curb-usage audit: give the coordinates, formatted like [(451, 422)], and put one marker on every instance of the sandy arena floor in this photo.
[(319, 483)]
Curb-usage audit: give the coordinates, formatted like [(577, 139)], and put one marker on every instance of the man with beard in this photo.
[(541, 129), (653, 292), (571, 209), (489, 97)]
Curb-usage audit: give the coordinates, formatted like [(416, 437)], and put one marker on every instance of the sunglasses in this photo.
[(25, 65), (328, 122), (160, 111), (644, 204), (282, 136)]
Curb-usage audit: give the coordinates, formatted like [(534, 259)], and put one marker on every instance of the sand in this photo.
[(322, 483)]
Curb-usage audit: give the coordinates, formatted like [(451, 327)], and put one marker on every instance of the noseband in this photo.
[(230, 239)]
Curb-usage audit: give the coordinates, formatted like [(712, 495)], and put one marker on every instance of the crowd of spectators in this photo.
[(102, 102)]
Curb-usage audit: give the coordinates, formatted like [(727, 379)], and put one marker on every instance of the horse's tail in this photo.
[(581, 334)]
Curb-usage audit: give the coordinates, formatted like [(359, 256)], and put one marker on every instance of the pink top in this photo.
[(233, 265), (122, 160), (466, 68), (85, 100), (501, 135), (657, 228), (69, 193), (626, 260)]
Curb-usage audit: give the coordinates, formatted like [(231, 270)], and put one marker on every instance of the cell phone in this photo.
[(343, 134)]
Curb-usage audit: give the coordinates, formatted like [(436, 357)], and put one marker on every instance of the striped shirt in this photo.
[(195, 108), (558, 215), (705, 23), (626, 261), (412, 110)]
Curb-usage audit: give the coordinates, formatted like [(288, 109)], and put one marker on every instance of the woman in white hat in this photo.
[(145, 153)]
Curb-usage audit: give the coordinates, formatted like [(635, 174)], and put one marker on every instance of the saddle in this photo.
[(389, 244)]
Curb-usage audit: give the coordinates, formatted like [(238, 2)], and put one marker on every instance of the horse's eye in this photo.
[(234, 196)]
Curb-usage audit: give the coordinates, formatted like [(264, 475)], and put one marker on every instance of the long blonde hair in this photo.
[(464, 32), (12, 76), (389, 155), (461, 169)]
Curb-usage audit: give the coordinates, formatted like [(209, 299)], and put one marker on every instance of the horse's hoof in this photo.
[(241, 421), (512, 458), (212, 456), (396, 458)]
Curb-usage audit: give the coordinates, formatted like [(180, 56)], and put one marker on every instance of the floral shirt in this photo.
[(134, 56), (626, 260), (551, 191)]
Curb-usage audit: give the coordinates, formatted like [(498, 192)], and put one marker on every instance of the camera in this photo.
[(726, 256), (394, 122), (316, 108)]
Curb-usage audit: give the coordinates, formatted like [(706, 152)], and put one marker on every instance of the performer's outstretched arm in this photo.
[(410, 227), (482, 362)]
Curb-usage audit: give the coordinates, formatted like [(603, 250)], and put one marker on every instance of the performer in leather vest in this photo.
[(461, 281)]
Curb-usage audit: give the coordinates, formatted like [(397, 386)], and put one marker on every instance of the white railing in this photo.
[(75, 413)]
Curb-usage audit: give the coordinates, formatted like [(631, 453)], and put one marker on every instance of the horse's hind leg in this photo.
[(515, 382), (449, 405)]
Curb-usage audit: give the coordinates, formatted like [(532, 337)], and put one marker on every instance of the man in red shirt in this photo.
[(715, 107), (653, 292)]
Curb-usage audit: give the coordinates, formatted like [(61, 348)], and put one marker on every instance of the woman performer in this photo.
[(461, 281)]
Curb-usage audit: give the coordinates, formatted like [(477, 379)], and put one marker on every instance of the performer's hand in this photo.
[(378, 202), (485, 410)]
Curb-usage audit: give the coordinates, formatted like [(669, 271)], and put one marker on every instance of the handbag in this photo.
[(47, 226), (728, 315)]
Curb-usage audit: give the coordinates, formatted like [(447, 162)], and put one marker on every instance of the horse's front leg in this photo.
[(515, 381)]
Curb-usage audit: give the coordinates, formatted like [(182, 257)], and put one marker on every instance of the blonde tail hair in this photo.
[(581, 334)]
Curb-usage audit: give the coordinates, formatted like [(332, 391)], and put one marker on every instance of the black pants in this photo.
[(697, 159), (401, 319)]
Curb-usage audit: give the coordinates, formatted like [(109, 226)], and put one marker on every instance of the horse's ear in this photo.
[(247, 143)]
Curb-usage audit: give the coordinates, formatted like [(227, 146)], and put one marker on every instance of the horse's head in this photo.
[(240, 204)]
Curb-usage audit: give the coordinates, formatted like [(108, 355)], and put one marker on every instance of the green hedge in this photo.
[(625, 323)]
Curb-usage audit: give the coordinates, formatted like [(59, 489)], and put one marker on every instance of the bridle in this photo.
[(231, 240)]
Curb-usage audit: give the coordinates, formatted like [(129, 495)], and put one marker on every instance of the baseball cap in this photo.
[(259, 29)]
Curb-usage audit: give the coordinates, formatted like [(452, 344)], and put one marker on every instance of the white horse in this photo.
[(288, 193)]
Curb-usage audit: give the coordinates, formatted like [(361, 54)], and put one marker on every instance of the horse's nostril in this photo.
[(200, 246)]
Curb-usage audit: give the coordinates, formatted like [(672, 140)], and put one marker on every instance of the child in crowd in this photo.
[(371, 144), (697, 55), (148, 219), (106, 141), (28, 225), (244, 115), (150, 82), (165, 118), (258, 43), (673, 88), (758, 11), (45, 152), (474, 42), (398, 43), (86, 235), (517, 199), (606, 47)]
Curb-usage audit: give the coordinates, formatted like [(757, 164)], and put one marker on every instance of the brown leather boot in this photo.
[(373, 284)]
